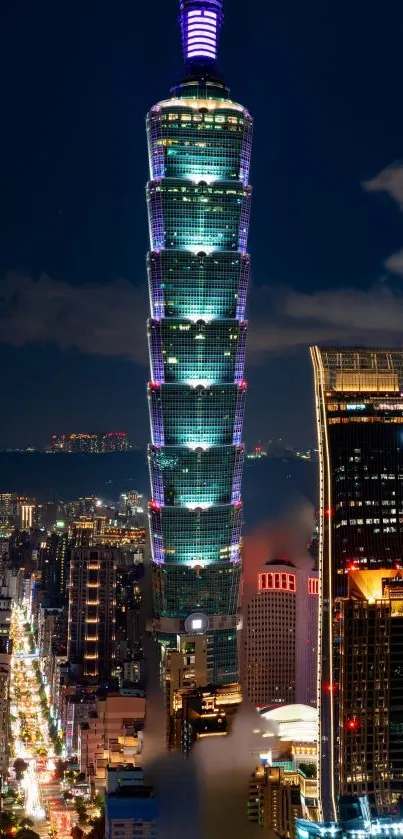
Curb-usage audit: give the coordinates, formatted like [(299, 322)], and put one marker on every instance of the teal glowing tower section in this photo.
[(198, 198)]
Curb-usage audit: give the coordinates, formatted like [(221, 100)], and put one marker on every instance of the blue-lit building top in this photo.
[(198, 198)]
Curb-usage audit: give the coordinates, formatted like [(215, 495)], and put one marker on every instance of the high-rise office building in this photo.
[(359, 406), (128, 628), (280, 636), (6, 507), (198, 199), (92, 605), (53, 563), (371, 688)]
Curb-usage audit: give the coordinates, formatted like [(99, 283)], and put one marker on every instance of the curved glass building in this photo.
[(359, 411), (198, 198)]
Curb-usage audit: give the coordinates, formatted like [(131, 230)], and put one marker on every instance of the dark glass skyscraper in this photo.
[(198, 199), (359, 404)]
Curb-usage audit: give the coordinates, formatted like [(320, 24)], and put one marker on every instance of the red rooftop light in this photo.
[(352, 566)]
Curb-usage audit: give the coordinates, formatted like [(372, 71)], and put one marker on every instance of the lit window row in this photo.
[(269, 581)]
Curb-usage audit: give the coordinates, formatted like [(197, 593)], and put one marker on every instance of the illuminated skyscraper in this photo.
[(359, 404), (371, 688), (280, 636), (198, 200), (92, 606)]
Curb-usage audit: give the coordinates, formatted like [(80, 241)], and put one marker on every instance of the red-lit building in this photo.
[(280, 636)]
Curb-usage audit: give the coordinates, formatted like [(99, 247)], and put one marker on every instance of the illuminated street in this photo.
[(43, 799)]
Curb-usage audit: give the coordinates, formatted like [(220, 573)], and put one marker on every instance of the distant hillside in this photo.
[(269, 486)]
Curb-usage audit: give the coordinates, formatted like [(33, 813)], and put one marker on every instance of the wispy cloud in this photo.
[(286, 319), (93, 318), (394, 263), (389, 180), (109, 319)]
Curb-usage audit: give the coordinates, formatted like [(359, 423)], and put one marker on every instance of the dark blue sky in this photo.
[(323, 82)]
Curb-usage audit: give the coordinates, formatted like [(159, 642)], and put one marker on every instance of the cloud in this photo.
[(286, 319), (109, 320), (394, 263), (389, 180), (93, 318)]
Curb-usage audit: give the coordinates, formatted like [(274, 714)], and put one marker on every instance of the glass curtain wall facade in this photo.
[(359, 406), (198, 199)]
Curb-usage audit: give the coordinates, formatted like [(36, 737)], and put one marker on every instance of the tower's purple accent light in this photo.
[(200, 23)]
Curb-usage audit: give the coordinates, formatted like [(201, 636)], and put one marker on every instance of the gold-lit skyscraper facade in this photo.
[(92, 608), (359, 409)]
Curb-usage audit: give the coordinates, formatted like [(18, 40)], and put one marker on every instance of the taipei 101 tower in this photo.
[(198, 198)]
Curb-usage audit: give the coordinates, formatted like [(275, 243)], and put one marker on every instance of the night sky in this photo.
[(323, 81)]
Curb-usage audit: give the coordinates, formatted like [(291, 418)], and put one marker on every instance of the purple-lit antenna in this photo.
[(200, 23)]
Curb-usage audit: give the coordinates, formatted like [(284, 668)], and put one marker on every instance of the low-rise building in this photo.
[(278, 795), (202, 712), (111, 734), (130, 805)]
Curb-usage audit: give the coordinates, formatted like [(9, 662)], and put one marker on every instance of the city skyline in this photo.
[(134, 623), (77, 217)]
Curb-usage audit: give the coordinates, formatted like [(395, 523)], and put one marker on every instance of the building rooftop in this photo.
[(291, 713), (294, 723), (131, 803)]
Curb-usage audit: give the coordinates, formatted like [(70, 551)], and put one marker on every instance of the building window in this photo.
[(276, 581)]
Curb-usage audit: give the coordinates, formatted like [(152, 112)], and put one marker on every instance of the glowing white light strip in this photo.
[(195, 104), (199, 382), (200, 249), (201, 563), (208, 179), (193, 446), (196, 13), (201, 34), (208, 27), (200, 38), (192, 53)]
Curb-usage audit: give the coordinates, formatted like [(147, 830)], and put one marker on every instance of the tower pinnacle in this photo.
[(200, 24)]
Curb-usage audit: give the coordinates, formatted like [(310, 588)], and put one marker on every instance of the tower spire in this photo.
[(200, 25)]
